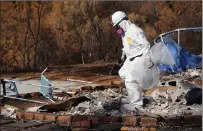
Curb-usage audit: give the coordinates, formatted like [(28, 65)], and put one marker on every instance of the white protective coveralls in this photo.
[(140, 68)]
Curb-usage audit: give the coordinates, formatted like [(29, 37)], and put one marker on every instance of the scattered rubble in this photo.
[(189, 75), (169, 98), (160, 104), (109, 102)]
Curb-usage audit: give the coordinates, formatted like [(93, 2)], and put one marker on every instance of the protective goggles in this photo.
[(117, 26)]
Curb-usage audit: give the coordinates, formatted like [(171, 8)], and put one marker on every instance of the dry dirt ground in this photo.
[(79, 71)]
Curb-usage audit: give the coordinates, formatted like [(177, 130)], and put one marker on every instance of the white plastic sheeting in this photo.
[(160, 54)]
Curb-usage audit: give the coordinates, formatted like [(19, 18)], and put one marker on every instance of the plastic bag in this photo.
[(160, 54)]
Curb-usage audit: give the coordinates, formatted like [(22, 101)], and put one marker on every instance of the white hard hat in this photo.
[(117, 17)]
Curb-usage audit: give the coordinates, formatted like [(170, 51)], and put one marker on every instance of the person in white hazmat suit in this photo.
[(140, 69)]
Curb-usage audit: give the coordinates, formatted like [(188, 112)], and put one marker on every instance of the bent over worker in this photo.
[(139, 70)]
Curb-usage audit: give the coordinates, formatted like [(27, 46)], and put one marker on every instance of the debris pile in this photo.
[(176, 95), (171, 102)]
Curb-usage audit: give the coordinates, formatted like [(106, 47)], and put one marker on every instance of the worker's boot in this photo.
[(134, 95)]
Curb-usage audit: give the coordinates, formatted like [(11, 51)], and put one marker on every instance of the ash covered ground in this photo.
[(166, 99)]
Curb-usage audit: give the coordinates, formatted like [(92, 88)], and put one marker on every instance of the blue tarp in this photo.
[(186, 60)]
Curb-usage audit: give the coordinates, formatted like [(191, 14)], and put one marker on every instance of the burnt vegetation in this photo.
[(35, 34)]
